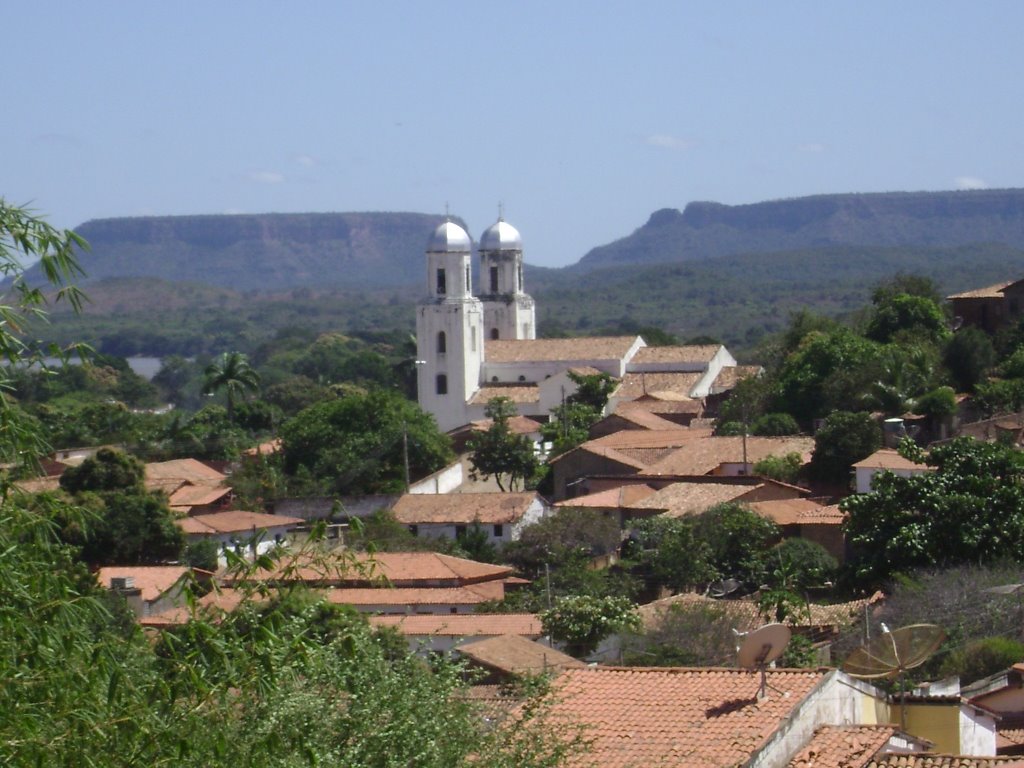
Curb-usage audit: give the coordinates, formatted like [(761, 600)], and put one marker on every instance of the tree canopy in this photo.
[(499, 452)]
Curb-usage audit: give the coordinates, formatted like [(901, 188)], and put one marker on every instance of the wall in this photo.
[(443, 481)]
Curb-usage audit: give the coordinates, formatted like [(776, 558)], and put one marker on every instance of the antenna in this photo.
[(722, 588), (762, 647), (892, 653)]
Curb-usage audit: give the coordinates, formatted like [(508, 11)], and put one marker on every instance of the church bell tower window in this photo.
[(494, 279), (442, 282)]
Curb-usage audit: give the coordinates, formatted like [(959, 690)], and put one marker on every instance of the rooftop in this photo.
[(686, 498), (699, 457), (465, 508), (888, 458), (798, 512), (635, 385), (613, 498), (233, 521), (834, 746), (988, 292), (682, 354), (517, 393), (153, 580), (464, 624), (557, 350), (515, 654)]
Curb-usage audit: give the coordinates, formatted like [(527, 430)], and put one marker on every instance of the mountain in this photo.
[(266, 252), (917, 219)]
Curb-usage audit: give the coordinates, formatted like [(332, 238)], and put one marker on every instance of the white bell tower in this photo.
[(449, 329), (508, 310)]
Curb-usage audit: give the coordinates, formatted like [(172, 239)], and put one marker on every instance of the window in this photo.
[(442, 343), (519, 275), (499, 531), (494, 333), (469, 288), (442, 384), (460, 531), (414, 530), (494, 279), (472, 339), (442, 281)]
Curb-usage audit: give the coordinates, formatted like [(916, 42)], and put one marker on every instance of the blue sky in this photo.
[(582, 118)]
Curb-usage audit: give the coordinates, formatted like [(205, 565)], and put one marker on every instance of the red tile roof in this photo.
[(464, 624), (894, 760), (675, 716), (517, 393), (635, 385), (558, 350), (798, 512), (613, 498), (233, 521), (643, 418), (153, 580), (411, 597), (463, 508), (686, 498), (519, 425), (988, 292), (690, 353), (514, 654), (887, 458), (189, 470), (843, 746), (701, 457)]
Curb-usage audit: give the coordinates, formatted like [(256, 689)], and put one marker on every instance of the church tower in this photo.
[(508, 310), (449, 329)]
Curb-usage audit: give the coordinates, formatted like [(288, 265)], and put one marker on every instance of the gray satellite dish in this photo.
[(760, 648), (891, 654), (722, 587)]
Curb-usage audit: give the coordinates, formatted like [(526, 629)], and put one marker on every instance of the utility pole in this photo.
[(405, 453)]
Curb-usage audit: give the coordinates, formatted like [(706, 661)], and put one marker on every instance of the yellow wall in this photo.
[(939, 723)]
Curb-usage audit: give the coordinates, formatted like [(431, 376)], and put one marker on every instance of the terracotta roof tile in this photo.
[(515, 654), (643, 418), (988, 292), (894, 760), (464, 508), (233, 521), (655, 405), (153, 580), (681, 717), (183, 469), (517, 393), (464, 624), (728, 378), (557, 350), (691, 353), (650, 438), (635, 385), (843, 746), (685, 498), (407, 569), (613, 498), (798, 512), (411, 597), (38, 485), (887, 458), (700, 457), (519, 425), (189, 495)]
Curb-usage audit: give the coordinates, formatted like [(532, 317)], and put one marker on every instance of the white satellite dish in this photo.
[(761, 647)]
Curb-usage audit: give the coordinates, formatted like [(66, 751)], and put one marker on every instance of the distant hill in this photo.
[(917, 219), (266, 252)]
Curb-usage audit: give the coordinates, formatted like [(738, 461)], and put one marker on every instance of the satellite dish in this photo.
[(760, 648), (891, 654), (723, 587)]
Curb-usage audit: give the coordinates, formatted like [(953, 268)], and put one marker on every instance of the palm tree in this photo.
[(232, 373)]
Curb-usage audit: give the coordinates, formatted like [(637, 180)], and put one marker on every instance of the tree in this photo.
[(232, 373), (785, 469), (582, 621), (108, 470), (499, 452), (907, 316), (970, 509), (674, 557), (356, 444), (775, 424), (737, 540), (844, 439), (968, 357)]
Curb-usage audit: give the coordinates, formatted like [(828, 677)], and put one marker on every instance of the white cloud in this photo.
[(265, 177), (666, 141), (811, 147), (970, 182), (306, 161)]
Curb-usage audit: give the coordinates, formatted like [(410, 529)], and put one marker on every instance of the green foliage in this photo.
[(673, 556), (968, 357), (969, 510), (499, 452), (775, 424), (982, 658), (736, 540), (685, 635), (232, 373), (1013, 366), (108, 470), (844, 439), (202, 554), (582, 622), (475, 544), (808, 564), (565, 537), (785, 469), (998, 396), (905, 315), (568, 427), (938, 403), (355, 444)]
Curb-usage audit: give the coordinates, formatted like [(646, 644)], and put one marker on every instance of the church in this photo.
[(471, 348)]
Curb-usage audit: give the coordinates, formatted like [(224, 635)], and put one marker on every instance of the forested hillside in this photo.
[(705, 230)]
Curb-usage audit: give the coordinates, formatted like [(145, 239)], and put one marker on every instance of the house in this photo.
[(1002, 694), (191, 486), (711, 717), (990, 308), (806, 519), (885, 460), (505, 658), (149, 589), (502, 516), (439, 633), (239, 530)]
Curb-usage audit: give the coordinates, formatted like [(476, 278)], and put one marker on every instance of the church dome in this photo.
[(501, 236), (449, 238)]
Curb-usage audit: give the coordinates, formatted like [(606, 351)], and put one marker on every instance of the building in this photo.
[(501, 516)]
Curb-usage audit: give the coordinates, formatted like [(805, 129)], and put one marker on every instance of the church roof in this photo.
[(555, 350)]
